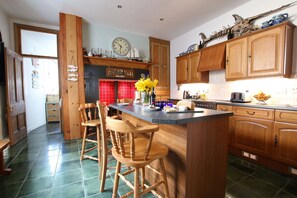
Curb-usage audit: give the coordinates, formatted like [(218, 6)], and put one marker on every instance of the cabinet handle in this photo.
[(250, 113), (249, 56), (275, 141), (227, 60), (224, 109)]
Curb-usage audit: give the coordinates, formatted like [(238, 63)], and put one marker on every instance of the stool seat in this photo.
[(157, 151), (91, 123)]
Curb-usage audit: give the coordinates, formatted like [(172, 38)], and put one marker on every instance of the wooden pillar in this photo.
[(72, 92)]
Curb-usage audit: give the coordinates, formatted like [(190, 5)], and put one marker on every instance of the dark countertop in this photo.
[(251, 105), (160, 117)]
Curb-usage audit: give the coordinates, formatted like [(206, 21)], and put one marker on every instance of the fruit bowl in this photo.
[(262, 97)]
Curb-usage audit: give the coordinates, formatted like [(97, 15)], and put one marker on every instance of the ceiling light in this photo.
[(161, 19), (120, 6)]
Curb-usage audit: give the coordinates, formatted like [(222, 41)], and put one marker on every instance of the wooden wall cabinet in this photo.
[(285, 137), (264, 53), (213, 58), (236, 59), (160, 66), (187, 69)]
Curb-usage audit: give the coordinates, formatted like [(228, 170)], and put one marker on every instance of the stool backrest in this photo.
[(125, 100), (88, 111), (119, 129)]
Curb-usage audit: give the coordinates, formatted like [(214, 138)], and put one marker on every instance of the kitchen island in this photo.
[(197, 160)]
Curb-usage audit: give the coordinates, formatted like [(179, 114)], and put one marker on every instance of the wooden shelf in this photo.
[(115, 62)]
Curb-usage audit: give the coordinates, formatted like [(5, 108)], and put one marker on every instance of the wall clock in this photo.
[(120, 46)]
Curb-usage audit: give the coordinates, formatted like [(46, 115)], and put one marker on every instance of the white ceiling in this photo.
[(137, 16)]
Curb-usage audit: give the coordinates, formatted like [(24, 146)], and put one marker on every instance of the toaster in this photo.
[(238, 97)]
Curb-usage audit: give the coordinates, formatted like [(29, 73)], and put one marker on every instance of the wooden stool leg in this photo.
[(116, 180), (164, 177), (136, 183), (98, 145), (3, 170), (143, 177), (103, 160), (83, 144)]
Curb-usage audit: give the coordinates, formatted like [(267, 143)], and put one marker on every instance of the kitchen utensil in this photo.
[(238, 97)]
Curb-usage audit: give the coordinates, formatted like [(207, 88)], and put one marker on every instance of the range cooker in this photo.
[(205, 104)]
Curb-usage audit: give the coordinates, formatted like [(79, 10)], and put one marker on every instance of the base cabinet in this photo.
[(285, 143), (52, 112), (264, 136), (251, 134)]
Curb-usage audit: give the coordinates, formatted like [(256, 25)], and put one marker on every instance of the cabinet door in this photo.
[(266, 53), (194, 75), (236, 59), (182, 69), (165, 72), (213, 58), (227, 108), (285, 143), (156, 60), (252, 134), (160, 66)]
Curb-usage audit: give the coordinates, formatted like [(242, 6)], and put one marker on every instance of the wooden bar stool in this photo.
[(137, 153), (125, 100), (102, 115), (3, 144), (90, 120)]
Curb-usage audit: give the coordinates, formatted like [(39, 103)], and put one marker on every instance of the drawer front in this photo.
[(254, 112), (224, 108), (52, 105), (286, 116), (53, 112), (53, 118)]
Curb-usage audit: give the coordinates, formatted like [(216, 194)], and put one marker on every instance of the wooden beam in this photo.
[(70, 51)]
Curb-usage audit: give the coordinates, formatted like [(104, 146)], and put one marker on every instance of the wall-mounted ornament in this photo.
[(72, 73), (242, 26), (35, 62), (35, 79), (119, 73)]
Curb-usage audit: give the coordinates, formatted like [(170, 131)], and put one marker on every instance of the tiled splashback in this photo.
[(107, 90), (282, 90), (126, 89)]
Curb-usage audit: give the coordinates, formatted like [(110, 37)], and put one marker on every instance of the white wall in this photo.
[(282, 90), (98, 36), (4, 27)]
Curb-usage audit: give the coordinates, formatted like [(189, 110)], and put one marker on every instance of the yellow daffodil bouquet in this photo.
[(145, 84)]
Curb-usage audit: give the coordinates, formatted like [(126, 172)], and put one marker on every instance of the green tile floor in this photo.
[(45, 165)]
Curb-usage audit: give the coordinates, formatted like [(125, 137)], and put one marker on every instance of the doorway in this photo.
[(39, 48)]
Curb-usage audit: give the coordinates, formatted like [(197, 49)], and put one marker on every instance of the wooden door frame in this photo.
[(17, 38), (18, 44)]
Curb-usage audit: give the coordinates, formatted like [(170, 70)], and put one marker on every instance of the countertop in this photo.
[(251, 105), (160, 117)]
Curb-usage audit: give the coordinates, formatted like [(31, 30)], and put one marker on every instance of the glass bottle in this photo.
[(153, 97)]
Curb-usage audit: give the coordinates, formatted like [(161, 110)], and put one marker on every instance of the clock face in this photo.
[(120, 46)]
